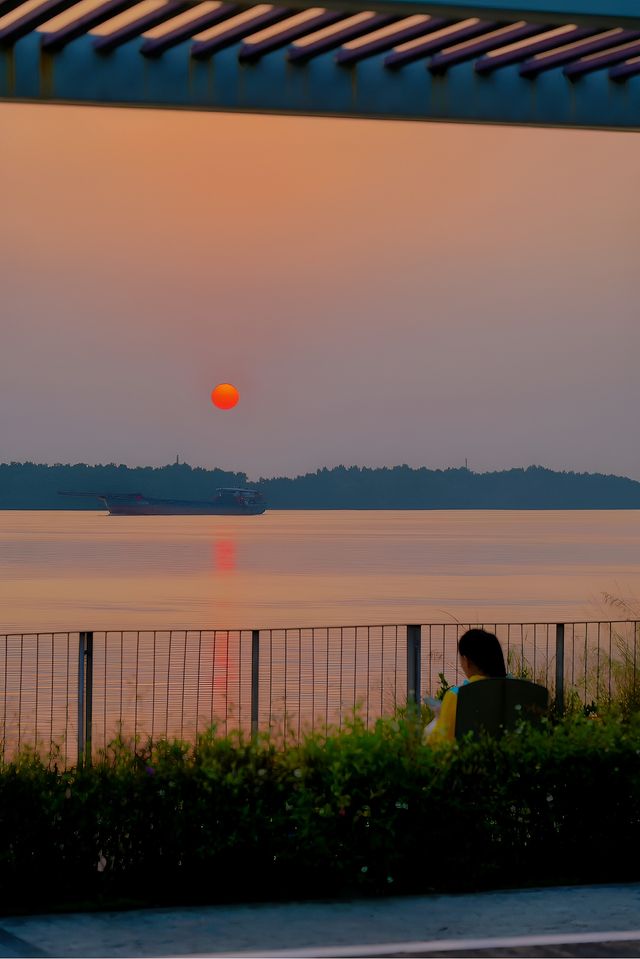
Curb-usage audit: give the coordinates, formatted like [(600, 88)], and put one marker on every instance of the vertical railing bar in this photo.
[(81, 688), (299, 682), (368, 675), (560, 668), (270, 676), (382, 672), (106, 686), (184, 679), (53, 655), (610, 653), (586, 652), (198, 681), (215, 643), (20, 691), (88, 706), (226, 682), (213, 675), (4, 702), (35, 717), (546, 667), (153, 686), (226, 687), (240, 661), (355, 667), (395, 670), (425, 631), (326, 697), (255, 680), (286, 649), (166, 709), (121, 674), (66, 711), (135, 693), (313, 679), (598, 665), (341, 661)]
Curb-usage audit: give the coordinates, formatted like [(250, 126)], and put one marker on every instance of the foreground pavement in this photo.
[(563, 921)]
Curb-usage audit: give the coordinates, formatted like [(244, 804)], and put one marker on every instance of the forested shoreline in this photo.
[(38, 486)]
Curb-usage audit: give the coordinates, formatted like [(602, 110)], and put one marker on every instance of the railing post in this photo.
[(85, 697), (559, 702), (413, 664), (255, 675)]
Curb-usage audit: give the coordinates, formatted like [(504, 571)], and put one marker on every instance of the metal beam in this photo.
[(59, 39), (603, 60), (158, 45), (203, 49), (573, 51), (30, 21), (626, 70), (440, 40), (598, 13), (274, 85), (471, 50), (253, 51), (303, 53), (111, 41), (379, 44), (559, 37)]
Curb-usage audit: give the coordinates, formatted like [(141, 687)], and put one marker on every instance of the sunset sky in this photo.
[(379, 292)]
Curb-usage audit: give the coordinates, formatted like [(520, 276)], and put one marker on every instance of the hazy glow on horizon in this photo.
[(380, 292)]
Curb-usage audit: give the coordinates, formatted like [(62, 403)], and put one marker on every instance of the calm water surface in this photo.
[(87, 570)]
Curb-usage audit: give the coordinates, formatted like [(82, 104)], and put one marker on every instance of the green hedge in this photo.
[(356, 813)]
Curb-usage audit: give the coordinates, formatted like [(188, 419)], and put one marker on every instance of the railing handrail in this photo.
[(281, 629)]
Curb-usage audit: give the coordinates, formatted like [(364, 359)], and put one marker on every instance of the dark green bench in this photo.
[(495, 705)]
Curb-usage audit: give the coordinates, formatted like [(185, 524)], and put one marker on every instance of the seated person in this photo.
[(481, 657)]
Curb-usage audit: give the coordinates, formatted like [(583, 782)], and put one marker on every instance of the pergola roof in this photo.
[(546, 62)]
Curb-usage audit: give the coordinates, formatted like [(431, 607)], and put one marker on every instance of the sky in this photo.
[(380, 292)]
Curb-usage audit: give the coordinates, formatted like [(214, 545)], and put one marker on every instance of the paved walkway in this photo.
[(411, 925)]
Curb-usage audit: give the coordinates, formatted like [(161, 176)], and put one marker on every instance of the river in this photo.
[(69, 570)]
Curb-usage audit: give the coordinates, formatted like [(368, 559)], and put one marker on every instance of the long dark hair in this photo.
[(483, 649)]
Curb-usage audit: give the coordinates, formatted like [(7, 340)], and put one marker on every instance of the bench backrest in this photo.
[(495, 705)]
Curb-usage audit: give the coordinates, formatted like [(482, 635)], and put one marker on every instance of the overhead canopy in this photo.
[(544, 62)]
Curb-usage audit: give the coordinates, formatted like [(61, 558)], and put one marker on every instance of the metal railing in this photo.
[(70, 694)]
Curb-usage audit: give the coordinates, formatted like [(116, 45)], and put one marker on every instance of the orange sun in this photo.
[(224, 396)]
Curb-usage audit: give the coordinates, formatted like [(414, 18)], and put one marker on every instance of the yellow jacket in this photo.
[(445, 727)]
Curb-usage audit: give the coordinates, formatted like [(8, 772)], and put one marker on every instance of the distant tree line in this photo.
[(401, 487), (37, 486)]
